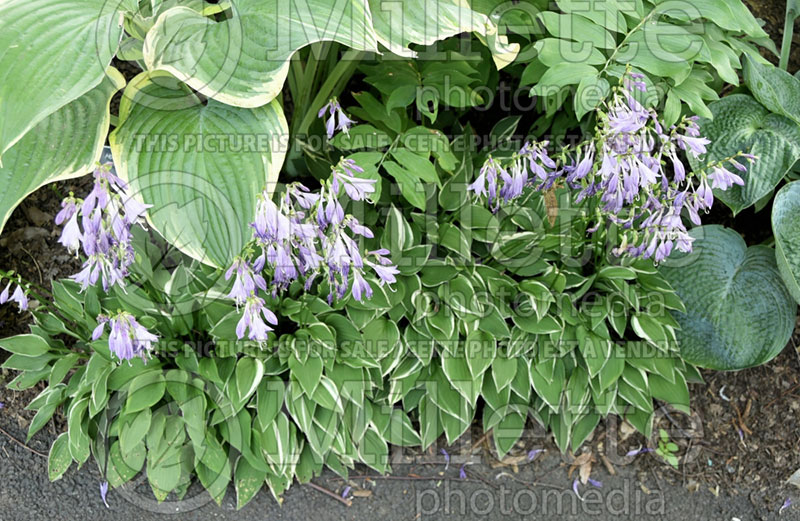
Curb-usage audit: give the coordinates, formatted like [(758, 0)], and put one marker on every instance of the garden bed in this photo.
[(739, 475)]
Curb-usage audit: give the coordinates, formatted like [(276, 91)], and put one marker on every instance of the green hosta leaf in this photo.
[(561, 75), (738, 312), (51, 52), (60, 458), (248, 481), (399, 24), (741, 124), (786, 227), (145, 391), (775, 88), (552, 51), (244, 60), (307, 373), (592, 90), (577, 28), (204, 183), (606, 13), (65, 144), (728, 14), (25, 345)]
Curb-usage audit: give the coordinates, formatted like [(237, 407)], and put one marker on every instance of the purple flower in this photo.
[(4, 294), (20, 298), (462, 473), (636, 452), (361, 287), (127, 338), (446, 458), (107, 216), (246, 281), (104, 492), (533, 453), (336, 113), (253, 319), (724, 179), (71, 235), (575, 489)]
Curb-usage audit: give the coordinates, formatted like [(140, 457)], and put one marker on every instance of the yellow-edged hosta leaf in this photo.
[(244, 60), (201, 165), (51, 52), (65, 144)]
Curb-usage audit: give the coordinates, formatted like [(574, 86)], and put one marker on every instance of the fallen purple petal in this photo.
[(104, 492), (462, 473), (595, 483), (636, 452), (346, 492), (533, 453), (575, 489), (786, 504)]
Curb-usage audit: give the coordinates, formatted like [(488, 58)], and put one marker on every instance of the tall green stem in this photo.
[(333, 83), (788, 33)]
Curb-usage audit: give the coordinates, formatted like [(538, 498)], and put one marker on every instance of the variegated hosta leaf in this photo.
[(399, 24), (738, 312), (741, 124), (243, 61), (51, 52), (65, 144), (200, 165), (786, 227)]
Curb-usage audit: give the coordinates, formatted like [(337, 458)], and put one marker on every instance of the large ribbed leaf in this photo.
[(774, 88), (51, 52), (244, 60), (65, 144), (786, 227), (738, 312), (200, 165), (741, 124), (399, 24)]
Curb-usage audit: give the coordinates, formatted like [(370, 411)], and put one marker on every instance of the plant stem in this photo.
[(788, 30), (340, 74), (625, 40)]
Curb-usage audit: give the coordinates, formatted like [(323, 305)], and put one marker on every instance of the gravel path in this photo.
[(27, 495)]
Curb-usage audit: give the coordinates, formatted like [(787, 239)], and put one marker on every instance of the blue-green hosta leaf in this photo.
[(741, 124), (65, 144), (244, 60), (738, 312), (424, 22), (201, 166), (786, 227), (775, 88), (51, 52)]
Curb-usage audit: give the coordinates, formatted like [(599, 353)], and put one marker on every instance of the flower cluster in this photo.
[(309, 236), (104, 232), (336, 114), (625, 168), (127, 338), (19, 296)]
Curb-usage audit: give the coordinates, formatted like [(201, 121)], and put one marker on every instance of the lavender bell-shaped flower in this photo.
[(337, 119), (127, 338)]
